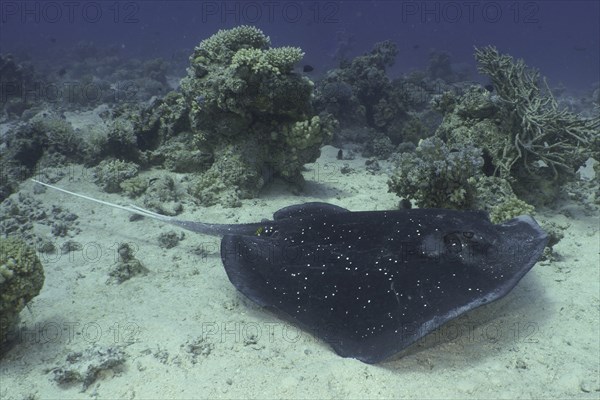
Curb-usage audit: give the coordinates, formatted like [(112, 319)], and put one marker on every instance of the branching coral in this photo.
[(542, 133)]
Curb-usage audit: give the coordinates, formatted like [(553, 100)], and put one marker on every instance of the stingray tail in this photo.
[(131, 208), (198, 227)]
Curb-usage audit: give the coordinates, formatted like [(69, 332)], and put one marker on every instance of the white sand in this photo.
[(541, 341)]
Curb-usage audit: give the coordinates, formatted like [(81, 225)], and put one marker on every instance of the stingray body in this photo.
[(371, 283)]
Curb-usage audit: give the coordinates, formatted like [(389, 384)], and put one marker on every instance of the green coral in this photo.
[(134, 187), (222, 46), (435, 175), (271, 61), (511, 208), (110, 174), (526, 139), (304, 134), (62, 138), (475, 118), (541, 134), (21, 279), (242, 117), (119, 140), (379, 146), (164, 119), (233, 176), (301, 144), (250, 114), (495, 195), (242, 78), (492, 192), (360, 92)]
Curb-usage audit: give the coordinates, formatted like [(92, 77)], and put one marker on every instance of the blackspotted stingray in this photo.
[(371, 283)]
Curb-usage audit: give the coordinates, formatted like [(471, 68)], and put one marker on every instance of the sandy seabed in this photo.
[(187, 332)]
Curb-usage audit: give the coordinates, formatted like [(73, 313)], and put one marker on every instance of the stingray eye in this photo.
[(453, 243), (468, 235), (267, 230)]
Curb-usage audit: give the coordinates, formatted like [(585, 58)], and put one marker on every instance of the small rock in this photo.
[(372, 166), (85, 366), (520, 364), (170, 239), (127, 267), (69, 246), (589, 385), (346, 169), (198, 347)]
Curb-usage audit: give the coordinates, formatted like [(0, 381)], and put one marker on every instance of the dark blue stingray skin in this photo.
[(371, 283)]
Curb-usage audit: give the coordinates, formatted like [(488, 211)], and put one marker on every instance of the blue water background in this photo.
[(561, 38)]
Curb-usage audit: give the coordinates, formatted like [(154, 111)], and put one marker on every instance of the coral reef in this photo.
[(61, 139), (525, 138), (21, 148), (20, 212), (46, 140), (109, 174), (134, 187), (251, 112), (21, 279), (540, 140), (360, 94), (475, 118), (435, 175), (242, 117), (229, 179), (16, 81), (495, 195), (440, 68), (358, 90), (163, 119), (379, 146)]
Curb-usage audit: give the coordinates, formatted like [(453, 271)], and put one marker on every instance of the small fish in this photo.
[(308, 68), (416, 47), (62, 72), (200, 99), (489, 87)]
